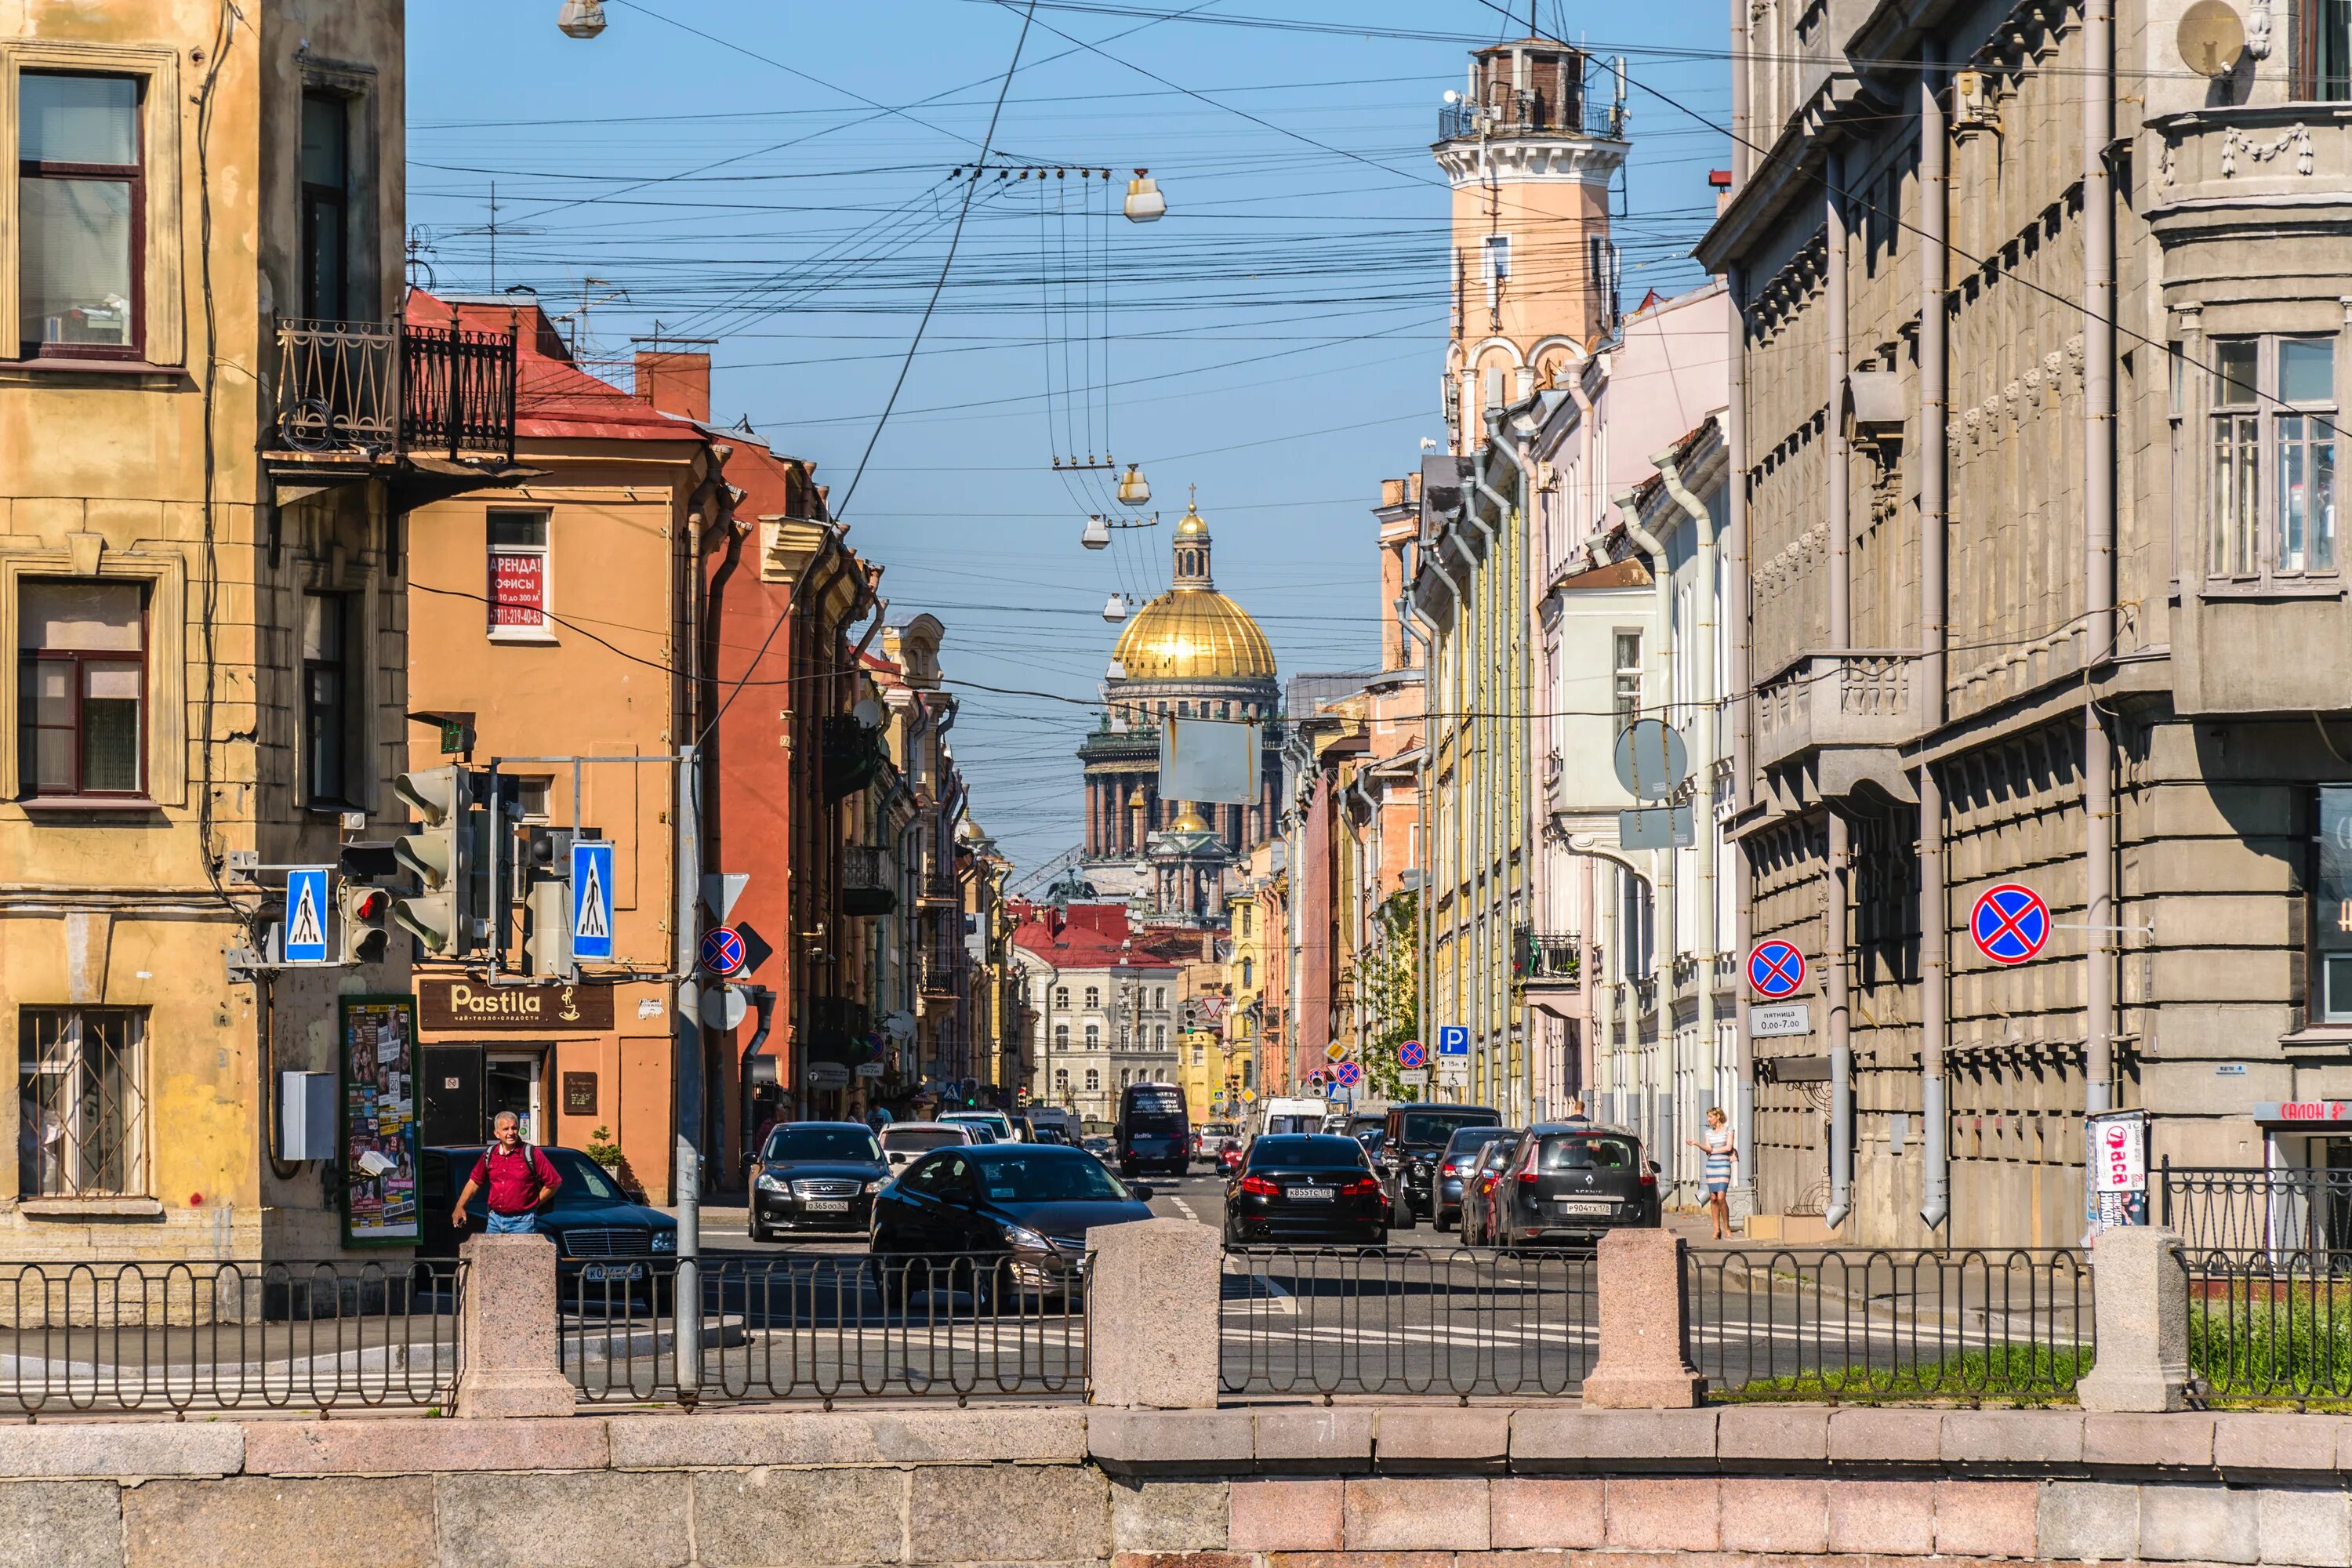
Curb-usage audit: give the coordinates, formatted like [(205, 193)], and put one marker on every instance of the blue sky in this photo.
[(778, 177)]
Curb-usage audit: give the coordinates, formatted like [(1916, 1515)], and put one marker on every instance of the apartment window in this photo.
[(83, 671), (1627, 689), (1248, 968), (1094, 1037), (326, 206), (531, 795), (1061, 1036), (1200, 1055), (1160, 1036), (81, 215), (328, 691), (1061, 1081), (2331, 925), (1246, 918), (2323, 50), (81, 1099), (1094, 1079), (1125, 1077), (2273, 457), (1062, 996), (1094, 996), (519, 574), (1159, 997)]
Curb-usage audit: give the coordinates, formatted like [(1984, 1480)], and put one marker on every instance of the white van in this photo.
[(1279, 1116)]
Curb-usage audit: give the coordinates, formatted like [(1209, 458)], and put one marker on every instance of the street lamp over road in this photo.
[(580, 18)]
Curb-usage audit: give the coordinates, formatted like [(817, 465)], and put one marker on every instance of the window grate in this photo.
[(82, 1100)]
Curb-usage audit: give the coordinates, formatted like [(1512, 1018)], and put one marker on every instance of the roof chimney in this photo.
[(675, 382)]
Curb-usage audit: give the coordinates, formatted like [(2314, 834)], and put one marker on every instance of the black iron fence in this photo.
[(832, 1326), (377, 387), (2291, 1210), (1341, 1321), (227, 1336), (2270, 1326), (1854, 1325)]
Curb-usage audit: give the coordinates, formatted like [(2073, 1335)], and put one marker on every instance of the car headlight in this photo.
[(1020, 1235), (872, 1186), (771, 1183), (664, 1241)]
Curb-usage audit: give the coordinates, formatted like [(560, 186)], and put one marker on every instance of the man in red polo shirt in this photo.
[(521, 1181)]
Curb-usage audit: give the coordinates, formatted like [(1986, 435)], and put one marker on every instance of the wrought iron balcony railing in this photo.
[(376, 390), (1549, 957)]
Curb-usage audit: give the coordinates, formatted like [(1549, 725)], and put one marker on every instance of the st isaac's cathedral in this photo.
[(1190, 653)]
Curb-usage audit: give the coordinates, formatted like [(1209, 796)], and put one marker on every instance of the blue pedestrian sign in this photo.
[(2010, 923), (1453, 1040), (308, 890), (1413, 1054), (592, 898), (1775, 968)]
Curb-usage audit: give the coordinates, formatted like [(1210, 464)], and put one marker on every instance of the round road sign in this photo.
[(1775, 968), (1347, 1075), (722, 950), (1651, 760), (2010, 923), (1413, 1054)]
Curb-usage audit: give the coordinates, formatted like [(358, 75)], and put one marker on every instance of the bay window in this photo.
[(2273, 445)]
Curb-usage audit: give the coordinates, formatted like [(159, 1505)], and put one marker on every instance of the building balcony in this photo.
[(1548, 960), (1841, 715), (939, 973), (2271, 163), (433, 407), (866, 889)]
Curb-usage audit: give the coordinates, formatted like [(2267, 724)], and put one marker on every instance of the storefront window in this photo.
[(2331, 926)]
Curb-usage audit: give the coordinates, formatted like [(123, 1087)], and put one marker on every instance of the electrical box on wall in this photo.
[(306, 1116)]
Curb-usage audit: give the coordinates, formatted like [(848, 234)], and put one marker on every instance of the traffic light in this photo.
[(362, 904), (547, 901), (440, 853)]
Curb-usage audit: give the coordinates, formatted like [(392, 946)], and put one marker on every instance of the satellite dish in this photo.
[(899, 1026), (2211, 38), (868, 713)]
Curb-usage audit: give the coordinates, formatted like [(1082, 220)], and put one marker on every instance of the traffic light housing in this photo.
[(363, 905), (439, 853), (547, 903)]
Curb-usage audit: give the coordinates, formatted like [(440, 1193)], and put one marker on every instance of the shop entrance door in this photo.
[(451, 1108), (511, 1082)]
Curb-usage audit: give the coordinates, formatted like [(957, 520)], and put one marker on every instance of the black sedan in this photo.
[(1572, 1181), (817, 1175), (990, 1216), (602, 1239), (1315, 1188)]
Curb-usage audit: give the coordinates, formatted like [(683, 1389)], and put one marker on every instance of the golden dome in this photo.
[(1188, 819), (1194, 634)]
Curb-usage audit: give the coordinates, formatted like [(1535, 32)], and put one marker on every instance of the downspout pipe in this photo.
[(1663, 914), (1735, 502), (1484, 882), (1704, 699), (1935, 501), (1519, 650), (1456, 857), (1841, 637), (1426, 897), (2099, 547)]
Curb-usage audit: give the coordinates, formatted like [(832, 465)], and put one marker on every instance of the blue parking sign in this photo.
[(1453, 1040), (592, 898), (307, 890)]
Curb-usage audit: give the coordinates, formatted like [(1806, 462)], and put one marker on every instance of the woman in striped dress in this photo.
[(1720, 1150)]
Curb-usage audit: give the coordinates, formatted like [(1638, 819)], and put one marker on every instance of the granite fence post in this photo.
[(508, 1360), (1152, 1290), (1640, 1363), (2139, 1302)]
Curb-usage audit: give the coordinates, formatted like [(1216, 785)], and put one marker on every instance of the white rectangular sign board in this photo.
[(1773, 1023)]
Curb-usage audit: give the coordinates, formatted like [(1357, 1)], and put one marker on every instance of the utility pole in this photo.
[(687, 1178)]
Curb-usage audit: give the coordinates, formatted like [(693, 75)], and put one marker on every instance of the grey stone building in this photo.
[(2037, 358)]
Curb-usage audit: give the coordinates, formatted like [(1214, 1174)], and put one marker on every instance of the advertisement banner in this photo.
[(377, 1061), (2115, 1185)]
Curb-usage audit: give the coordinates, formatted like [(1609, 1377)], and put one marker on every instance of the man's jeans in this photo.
[(514, 1223)]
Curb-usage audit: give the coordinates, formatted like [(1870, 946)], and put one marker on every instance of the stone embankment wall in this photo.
[(1302, 1487)]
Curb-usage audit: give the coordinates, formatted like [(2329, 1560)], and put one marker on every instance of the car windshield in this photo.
[(1438, 1126), (1471, 1138), (1218, 1130), (908, 1138), (1337, 1153), (1590, 1152), (1039, 1178), (584, 1180), (1280, 1125), (812, 1141)]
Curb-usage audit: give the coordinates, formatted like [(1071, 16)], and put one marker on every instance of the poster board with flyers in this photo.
[(377, 1055)]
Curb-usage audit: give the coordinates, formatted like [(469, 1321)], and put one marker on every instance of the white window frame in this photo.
[(544, 632), (2225, 571)]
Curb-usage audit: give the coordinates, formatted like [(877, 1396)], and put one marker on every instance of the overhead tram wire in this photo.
[(914, 344)]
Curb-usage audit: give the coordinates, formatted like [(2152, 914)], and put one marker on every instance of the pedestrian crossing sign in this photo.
[(592, 898), (308, 889)]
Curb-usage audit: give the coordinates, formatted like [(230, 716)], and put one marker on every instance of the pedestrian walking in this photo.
[(1721, 1150), (521, 1181)]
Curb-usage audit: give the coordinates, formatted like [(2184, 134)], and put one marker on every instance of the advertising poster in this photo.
[(378, 1046), (2115, 1142)]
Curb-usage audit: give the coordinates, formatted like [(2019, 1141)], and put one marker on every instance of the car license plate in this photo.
[(1319, 1193), (826, 1206), (614, 1273), (1588, 1206)]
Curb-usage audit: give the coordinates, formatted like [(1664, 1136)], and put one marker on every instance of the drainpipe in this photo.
[(1520, 647), (1935, 501), (1664, 915), (2099, 544), (1705, 698), (1427, 913), (1841, 637), (1482, 836), (1436, 560), (1734, 499)]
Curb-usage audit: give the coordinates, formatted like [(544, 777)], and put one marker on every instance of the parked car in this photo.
[(904, 1142), (1317, 1188), (1454, 1163), (601, 1236), (996, 1217), (1416, 1136), (1571, 1181), (817, 1175), (1215, 1137), (1478, 1184), (999, 1125)]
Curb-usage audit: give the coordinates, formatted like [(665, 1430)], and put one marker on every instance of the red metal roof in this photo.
[(554, 398)]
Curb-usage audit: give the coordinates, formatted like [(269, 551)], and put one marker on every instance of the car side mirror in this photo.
[(1142, 1191), (1655, 1168)]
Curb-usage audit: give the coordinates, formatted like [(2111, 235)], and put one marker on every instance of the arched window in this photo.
[(1094, 996), (1094, 1037), (1125, 1077), (1061, 1036), (1062, 1081), (1161, 1039), (1247, 966), (1094, 1079)]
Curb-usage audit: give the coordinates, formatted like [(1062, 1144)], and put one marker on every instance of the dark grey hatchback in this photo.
[(1572, 1181)]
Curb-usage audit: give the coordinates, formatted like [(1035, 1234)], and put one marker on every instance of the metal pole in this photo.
[(687, 1189)]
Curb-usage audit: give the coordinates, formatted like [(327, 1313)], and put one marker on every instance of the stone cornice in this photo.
[(1532, 160)]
